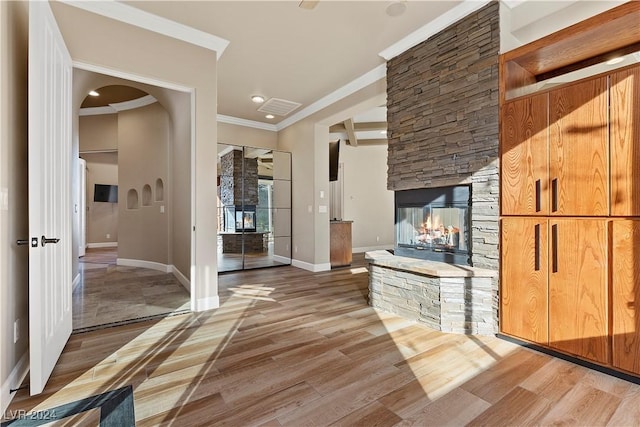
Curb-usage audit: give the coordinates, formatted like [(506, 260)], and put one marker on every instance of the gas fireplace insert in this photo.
[(434, 224)]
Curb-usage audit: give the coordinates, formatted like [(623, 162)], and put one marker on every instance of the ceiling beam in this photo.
[(363, 142), (351, 134), (359, 127)]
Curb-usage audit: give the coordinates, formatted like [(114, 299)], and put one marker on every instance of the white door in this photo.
[(82, 209), (50, 203)]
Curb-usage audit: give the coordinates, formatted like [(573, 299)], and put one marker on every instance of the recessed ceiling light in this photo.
[(614, 61), (396, 8), (257, 99), (94, 93), (270, 116)]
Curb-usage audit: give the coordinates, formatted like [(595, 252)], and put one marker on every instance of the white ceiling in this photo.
[(279, 50)]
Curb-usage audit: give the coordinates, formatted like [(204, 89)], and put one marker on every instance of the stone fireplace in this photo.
[(442, 119)]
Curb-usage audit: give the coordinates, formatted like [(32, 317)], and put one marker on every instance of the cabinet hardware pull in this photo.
[(554, 248), (554, 195), (537, 244), (537, 195)]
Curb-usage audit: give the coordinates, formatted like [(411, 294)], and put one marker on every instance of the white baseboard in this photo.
[(204, 304), (181, 278), (102, 245), (282, 259), (311, 267), (371, 248), (14, 381), (144, 264)]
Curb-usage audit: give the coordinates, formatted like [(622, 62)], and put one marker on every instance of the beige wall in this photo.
[(308, 142), (98, 133), (102, 217), (367, 202), (143, 148), (99, 41), (13, 194), (245, 136), (179, 188)]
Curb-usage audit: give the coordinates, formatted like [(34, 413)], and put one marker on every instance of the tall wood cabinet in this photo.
[(570, 245)]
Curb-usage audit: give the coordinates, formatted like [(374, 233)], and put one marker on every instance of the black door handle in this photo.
[(22, 242), (46, 240)]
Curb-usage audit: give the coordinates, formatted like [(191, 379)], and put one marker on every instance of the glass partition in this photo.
[(254, 208)]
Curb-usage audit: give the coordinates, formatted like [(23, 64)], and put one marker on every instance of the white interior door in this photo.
[(50, 206), (82, 209)]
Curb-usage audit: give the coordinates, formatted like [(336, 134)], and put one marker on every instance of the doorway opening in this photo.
[(130, 145)]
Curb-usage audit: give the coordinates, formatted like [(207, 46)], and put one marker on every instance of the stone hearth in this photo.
[(445, 297)]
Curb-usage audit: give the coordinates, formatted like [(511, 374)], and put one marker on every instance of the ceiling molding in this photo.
[(246, 123), (433, 27), (130, 76), (512, 3), (116, 107), (378, 73), (130, 15), (96, 111), (134, 103)]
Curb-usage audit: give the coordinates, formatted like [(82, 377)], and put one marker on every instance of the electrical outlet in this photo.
[(16, 331), (377, 238), (108, 236)]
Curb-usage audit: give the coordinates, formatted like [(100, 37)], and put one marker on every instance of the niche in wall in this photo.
[(146, 195), (132, 199), (159, 190)]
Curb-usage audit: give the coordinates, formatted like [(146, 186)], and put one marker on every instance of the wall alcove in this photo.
[(159, 190), (146, 195), (132, 199)]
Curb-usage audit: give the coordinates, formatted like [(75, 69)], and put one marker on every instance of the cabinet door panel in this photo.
[(625, 142), (523, 280), (525, 156), (578, 322), (579, 154), (626, 294)]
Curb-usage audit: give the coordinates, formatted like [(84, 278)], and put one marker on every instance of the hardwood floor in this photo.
[(109, 294), (290, 347)]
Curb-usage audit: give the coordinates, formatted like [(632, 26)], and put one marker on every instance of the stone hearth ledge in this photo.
[(429, 268), (446, 297)]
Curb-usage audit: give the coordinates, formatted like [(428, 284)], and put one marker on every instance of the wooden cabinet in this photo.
[(525, 156), (570, 266), (625, 142), (578, 149), (578, 315), (340, 252), (625, 275), (524, 273)]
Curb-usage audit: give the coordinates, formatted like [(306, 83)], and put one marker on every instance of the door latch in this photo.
[(46, 240)]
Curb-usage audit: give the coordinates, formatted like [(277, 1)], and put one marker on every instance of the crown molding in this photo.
[(246, 123), (97, 111), (380, 72), (433, 27), (130, 15), (134, 103)]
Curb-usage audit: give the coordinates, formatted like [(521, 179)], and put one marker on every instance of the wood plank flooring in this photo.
[(290, 347)]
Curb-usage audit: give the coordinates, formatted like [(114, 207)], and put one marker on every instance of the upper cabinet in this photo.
[(625, 142), (578, 148), (525, 153), (575, 150)]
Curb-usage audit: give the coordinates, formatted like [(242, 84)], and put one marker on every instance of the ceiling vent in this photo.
[(279, 107)]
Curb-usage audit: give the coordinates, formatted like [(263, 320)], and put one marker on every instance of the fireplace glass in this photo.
[(433, 226)]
